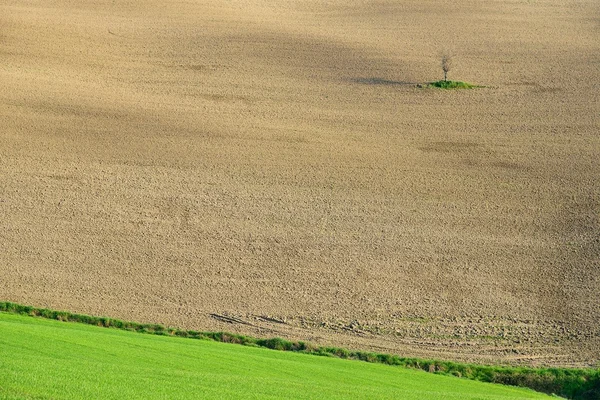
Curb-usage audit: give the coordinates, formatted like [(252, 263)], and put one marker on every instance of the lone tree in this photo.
[(446, 64)]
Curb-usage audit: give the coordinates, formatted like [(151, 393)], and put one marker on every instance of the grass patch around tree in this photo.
[(452, 85)]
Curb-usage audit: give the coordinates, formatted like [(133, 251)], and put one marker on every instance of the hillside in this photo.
[(271, 168)]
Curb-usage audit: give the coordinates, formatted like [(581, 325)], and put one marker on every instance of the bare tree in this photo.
[(446, 64)]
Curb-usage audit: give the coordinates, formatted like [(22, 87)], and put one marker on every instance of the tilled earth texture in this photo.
[(280, 168)]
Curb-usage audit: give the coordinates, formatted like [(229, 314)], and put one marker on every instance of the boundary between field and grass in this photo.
[(579, 384)]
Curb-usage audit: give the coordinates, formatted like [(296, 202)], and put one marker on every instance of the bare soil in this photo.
[(272, 168)]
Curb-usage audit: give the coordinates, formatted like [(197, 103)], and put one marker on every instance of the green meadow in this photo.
[(48, 359)]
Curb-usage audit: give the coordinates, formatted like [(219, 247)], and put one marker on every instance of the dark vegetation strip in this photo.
[(579, 384), (453, 85)]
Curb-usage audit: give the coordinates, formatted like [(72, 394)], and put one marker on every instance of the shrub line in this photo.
[(577, 384)]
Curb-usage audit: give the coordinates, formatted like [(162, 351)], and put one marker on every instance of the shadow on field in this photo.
[(381, 82)]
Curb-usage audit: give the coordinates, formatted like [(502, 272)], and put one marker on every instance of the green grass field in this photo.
[(47, 359)]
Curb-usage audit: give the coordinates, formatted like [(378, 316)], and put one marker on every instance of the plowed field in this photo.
[(273, 168)]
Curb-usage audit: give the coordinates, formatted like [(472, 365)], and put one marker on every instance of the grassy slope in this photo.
[(51, 359)]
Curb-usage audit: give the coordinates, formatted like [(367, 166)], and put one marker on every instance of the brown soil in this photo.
[(271, 167)]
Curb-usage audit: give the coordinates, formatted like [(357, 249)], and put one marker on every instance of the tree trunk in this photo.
[(445, 75)]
